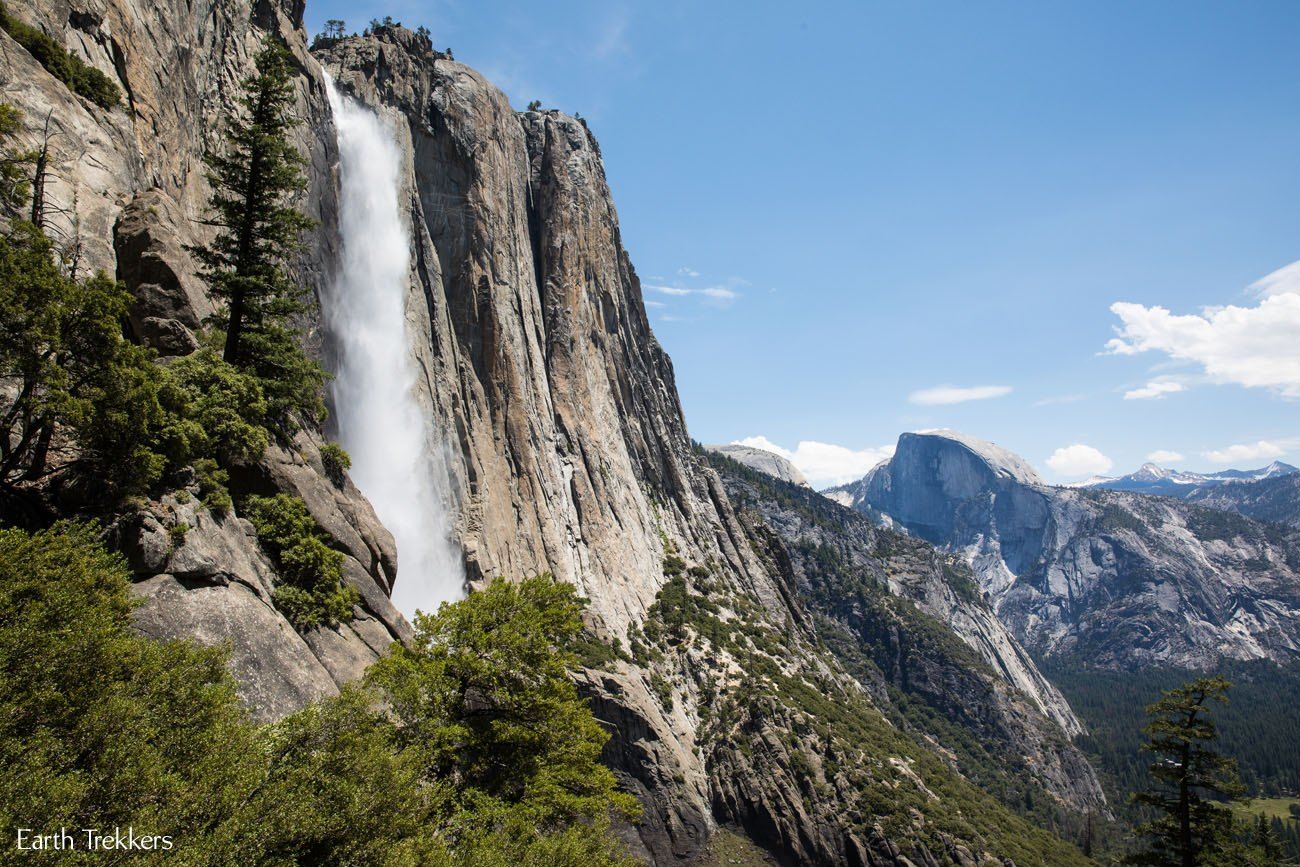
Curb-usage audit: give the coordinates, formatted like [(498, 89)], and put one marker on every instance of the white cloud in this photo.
[(716, 296), (823, 464), (1256, 347), (1283, 281), (942, 395), (653, 303), (1165, 456), (1155, 389), (687, 272), (1245, 452), (1079, 460)]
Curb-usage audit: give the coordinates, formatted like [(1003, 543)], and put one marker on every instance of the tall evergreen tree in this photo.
[(1189, 778), (1266, 842), (258, 229)]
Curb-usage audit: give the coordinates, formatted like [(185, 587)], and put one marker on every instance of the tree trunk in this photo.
[(1185, 813)]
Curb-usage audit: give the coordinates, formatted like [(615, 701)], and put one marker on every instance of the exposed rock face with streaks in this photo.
[(1114, 578), (838, 557), (565, 447), (127, 192)]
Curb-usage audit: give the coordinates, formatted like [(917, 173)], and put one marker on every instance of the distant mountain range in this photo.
[(1115, 577), (1155, 479)]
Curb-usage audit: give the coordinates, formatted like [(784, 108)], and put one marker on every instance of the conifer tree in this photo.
[(1190, 780), (1266, 842), (258, 229)]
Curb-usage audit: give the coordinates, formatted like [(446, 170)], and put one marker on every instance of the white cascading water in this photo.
[(380, 422)]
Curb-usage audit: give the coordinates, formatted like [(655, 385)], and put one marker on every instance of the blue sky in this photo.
[(859, 214)]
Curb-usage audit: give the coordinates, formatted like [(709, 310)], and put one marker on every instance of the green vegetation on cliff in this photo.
[(80, 77), (312, 592), (254, 177), (470, 747), (792, 723)]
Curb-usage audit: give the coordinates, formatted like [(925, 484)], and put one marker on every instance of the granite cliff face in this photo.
[(1118, 579), (127, 193), (564, 443)]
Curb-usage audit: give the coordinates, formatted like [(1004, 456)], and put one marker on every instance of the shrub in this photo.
[(483, 696), (312, 593), (213, 482), (100, 727), (336, 462), (80, 77), (103, 727), (214, 409)]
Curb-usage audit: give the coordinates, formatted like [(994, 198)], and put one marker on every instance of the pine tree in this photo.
[(1190, 779), (1266, 842), (257, 231)]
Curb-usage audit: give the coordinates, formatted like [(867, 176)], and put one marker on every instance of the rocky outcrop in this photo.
[(564, 442), (567, 446), (203, 575), (764, 461), (1274, 498), (1113, 578), (904, 605), (127, 195)]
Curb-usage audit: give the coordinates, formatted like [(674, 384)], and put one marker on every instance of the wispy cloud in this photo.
[(1283, 281), (611, 35), (1155, 389), (1165, 456), (717, 294), (824, 464), (942, 395)]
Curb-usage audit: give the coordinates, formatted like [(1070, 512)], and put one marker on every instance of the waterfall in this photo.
[(380, 422)]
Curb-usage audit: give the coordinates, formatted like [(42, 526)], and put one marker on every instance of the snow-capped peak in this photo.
[(1151, 473)]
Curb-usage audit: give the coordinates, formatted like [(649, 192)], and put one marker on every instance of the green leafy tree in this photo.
[(336, 462), (258, 229), (1190, 780), (312, 593), (1266, 843), (66, 362), (15, 164), (484, 698), (100, 726), (214, 410)]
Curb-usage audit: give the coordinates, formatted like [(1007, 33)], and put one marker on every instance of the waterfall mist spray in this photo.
[(380, 422)]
